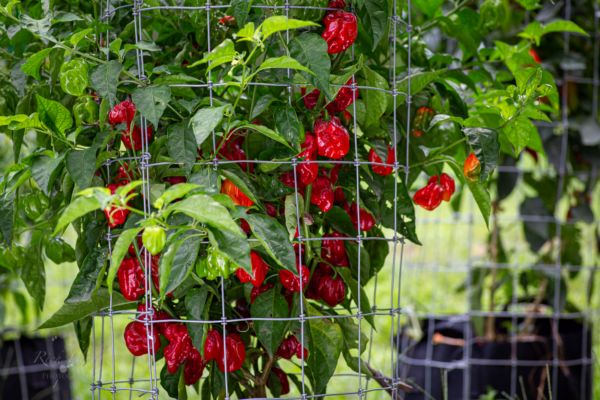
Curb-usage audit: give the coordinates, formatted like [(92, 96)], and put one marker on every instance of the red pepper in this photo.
[(447, 184), (322, 193), (533, 153), (226, 19), (131, 249), (313, 286), (288, 180), (430, 197), (285, 383), (535, 56), (136, 137), (137, 336), (175, 180), (291, 282), (179, 347), (130, 276), (194, 367), (116, 215), (333, 250), (333, 140), (338, 196), (332, 174), (346, 117), (259, 270), (122, 112), (380, 169), (125, 173), (341, 31), (341, 4), (310, 100), (422, 119), (472, 167), (332, 290), (242, 308), (232, 149), (245, 226), (234, 354), (237, 196), (271, 210), (344, 97), (366, 219), (256, 291), (308, 172), (287, 348), (162, 327), (213, 345)]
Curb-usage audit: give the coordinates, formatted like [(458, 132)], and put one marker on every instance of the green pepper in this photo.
[(74, 76), (14, 258), (218, 264), (492, 14), (32, 206), (202, 267), (154, 239), (86, 111), (59, 251), (44, 199)]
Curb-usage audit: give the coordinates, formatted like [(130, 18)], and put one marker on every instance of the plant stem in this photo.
[(306, 228), (440, 152)]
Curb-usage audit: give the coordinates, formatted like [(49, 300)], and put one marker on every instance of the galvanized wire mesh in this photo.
[(109, 383)]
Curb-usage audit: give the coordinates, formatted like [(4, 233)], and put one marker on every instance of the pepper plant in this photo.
[(239, 156)]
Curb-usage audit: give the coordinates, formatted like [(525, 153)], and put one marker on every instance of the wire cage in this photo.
[(111, 380), (441, 352)]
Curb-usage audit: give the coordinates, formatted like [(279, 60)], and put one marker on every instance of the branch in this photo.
[(385, 380)]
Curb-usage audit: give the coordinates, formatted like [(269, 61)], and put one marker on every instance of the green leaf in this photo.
[(428, 7), (439, 118), (374, 18), (67, 17), (44, 171), (104, 78), (339, 220), (205, 121), (83, 330), (170, 382), (100, 301), (281, 62), (206, 210), (235, 247), (281, 23), (119, 252), (78, 208), (77, 37), (165, 265), (175, 192), (81, 164), (184, 260), (7, 209), (241, 9), (268, 133), (17, 77), (417, 83), (287, 123), (375, 100), (54, 115), (39, 27), (324, 347), (529, 4), (224, 52), (274, 239), (486, 146), (241, 181), (208, 178), (482, 198), (88, 280), (33, 273), (357, 292), (143, 45), (310, 50), (518, 132), (262, 104), (33, 64), (463, 27), (182, 146), (350, 332), (563, 26), (151, 102), (270, 304), (291, 214), (533, 31)]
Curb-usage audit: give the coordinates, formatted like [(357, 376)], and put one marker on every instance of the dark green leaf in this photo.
[(274, 238), (151, 102), (104, 78), (118, 253), (89, 278), (486, 146), (287, 123), (33, 273), (205, 209), (81, 164), (78, 208), (375, 100), (83, 330), (357, 292), (339, 220), (56, 117), (183, 261), (374, 18), (262, 104), (7, 209), (44, 171), (205, 120), (310, 50), (233, 246), (270, 304), (170, 382), (240, 11), (207, 177), (33, 64), (482, 198), (182, 146)]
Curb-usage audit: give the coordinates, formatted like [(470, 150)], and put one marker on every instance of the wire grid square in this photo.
[(104, 321)]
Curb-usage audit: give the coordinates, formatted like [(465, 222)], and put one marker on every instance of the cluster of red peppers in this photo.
[(117, 215), (125, 112), (437, 189), (341, 28)]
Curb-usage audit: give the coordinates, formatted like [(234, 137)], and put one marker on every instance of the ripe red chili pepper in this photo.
[(313, 286), (213, 345), (535, 56), (341, 31), (344, 97), (131, 249), (137, 336), (232, 149), (226, 19), (179, 347), (447, 184), (430, 197), (256, 291), (332, 174), (291, 282), (136, 137), (125, 173), (366, 219), (116, 215), (245, 226), (341, 4), (288, 180), (194, 367), (130, 276), (259, 270), (175, 180), (271, 210), (346, 117), (333, 140), (298, 248), (285, 383), (234, 354), (472, 167), (308, 172), (287, 348), (310, 100), (422, 119), (243, 309), (122, 112), (237, 196), (162, 326), (380, 169), (338, 196), (333, 250), (322, 193), (332, 290)]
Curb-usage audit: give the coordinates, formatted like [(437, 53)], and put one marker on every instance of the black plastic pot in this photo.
[(34, 368), (490, 363)]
